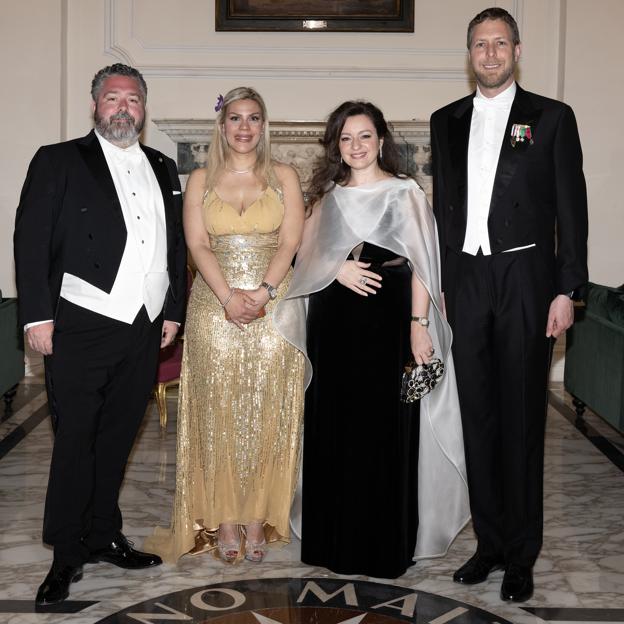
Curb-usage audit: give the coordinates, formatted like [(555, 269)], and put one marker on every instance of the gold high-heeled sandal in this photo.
[(254, 551), (229, 552)]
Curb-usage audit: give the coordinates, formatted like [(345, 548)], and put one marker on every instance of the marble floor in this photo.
[(579, 576)]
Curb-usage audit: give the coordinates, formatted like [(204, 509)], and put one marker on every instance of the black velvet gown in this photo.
[(360, 458)]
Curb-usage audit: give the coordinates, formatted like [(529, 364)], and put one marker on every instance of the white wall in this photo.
[(594, 87), (303, 76), (30, 109)]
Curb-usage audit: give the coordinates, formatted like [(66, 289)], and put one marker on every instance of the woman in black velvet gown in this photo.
[(360, 466), (360, 509), (383, 483)]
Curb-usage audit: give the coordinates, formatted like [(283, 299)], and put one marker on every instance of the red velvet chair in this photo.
[(170, 364)]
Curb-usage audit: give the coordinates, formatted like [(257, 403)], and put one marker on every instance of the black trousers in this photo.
[(498, 308), (99, 379)]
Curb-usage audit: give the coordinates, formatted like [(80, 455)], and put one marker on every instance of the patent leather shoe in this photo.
[(120, 553), (517, 583), (55, 587), (477, 569)]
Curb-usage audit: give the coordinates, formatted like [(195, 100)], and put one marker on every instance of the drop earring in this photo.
[(381, 151)]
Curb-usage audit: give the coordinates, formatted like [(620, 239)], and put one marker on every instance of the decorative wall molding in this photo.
[(200, 130), (130, 49), (517, 9), (307, 73), (111, 45)]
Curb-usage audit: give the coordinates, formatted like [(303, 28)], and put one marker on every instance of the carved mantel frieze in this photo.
[(297, 143)]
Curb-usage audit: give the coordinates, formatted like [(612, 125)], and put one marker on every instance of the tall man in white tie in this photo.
[(510, 201), (100, 269)]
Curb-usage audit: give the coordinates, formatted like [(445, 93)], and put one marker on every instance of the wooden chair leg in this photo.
[(161, 402), (579, 408), (9, 395)]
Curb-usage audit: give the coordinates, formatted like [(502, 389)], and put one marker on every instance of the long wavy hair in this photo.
[(218, 150), (330, 169)]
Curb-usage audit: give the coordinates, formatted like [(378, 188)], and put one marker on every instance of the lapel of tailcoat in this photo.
[(459, 135), (522, 112), (161, 172), (91, 151)]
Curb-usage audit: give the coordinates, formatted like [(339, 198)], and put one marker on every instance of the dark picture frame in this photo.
[(315, 15)]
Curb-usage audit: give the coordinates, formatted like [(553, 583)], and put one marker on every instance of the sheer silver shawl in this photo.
[(393, 214)]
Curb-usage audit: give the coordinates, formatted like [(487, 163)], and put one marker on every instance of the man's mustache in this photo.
[(121, 116)]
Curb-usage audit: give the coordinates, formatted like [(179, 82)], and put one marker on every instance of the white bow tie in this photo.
[(483, 104), (130, 157)]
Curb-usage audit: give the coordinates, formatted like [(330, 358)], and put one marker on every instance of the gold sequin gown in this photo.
[(241, 395)]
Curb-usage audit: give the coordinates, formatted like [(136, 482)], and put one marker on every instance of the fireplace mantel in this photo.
[(297, 143)]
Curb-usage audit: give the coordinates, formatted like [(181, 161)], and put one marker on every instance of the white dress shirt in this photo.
[(142, 278), (487, 132)]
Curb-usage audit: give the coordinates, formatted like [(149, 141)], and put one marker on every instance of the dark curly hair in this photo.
[(118, 69), (330, 169)]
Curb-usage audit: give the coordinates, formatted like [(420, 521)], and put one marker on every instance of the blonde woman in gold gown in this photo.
[(241, 393)]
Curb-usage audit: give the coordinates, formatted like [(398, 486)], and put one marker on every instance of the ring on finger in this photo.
[(363, 281)]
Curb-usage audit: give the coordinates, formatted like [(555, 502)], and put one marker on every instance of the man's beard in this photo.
[(493, 81), (122, 134)]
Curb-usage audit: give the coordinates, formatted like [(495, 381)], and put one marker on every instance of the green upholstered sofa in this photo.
[(594, 363), (11, 350)]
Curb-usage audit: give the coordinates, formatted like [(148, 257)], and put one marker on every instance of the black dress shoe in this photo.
[(55, 587), (517, 583), (120, 553), (477, 569)]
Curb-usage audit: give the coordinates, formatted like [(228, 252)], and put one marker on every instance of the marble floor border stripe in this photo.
[(9, 442), (17, 418), (611, 452), (576, 614), (29, 606), (25, 394)]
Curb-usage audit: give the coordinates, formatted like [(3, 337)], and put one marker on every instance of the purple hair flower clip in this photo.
[(219, 104)]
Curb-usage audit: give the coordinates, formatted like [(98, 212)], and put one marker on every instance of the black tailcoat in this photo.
[(69, 219), (498, 305), (102, 371)]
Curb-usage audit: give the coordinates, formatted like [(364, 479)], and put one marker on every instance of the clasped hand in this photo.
[(245, 305), (355, 277)]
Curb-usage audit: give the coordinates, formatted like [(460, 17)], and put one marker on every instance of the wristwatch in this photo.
[(421, 320), (270, 289)]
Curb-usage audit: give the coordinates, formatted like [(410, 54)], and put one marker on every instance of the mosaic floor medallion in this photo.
[(302, 601)]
